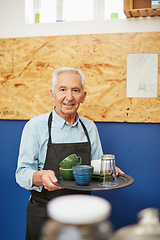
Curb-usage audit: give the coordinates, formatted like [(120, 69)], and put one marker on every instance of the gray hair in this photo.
[(65, 69)]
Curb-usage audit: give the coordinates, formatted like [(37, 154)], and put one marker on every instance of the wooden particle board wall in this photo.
[(27, 64)]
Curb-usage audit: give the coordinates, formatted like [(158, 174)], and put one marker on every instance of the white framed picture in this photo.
[(142, 75)]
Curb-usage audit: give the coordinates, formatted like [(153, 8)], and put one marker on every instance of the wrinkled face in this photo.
[(68, 94)]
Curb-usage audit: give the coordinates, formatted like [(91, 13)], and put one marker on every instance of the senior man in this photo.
[(49, 138)]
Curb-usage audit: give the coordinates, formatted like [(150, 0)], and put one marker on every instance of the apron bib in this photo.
[(56, 152)]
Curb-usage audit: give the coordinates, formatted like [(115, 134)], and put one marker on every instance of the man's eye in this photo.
[(76, 90), (62, 89)]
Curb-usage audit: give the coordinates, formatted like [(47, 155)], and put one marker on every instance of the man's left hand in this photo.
[(119, 171)]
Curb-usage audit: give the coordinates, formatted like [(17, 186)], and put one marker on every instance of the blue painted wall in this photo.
[(137, 151)]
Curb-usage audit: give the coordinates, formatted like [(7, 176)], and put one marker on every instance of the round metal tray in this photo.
[(123, 181)]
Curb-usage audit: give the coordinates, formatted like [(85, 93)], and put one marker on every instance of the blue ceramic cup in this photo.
[(82, 174)]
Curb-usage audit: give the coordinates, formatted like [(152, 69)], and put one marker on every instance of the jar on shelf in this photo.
[(155, 4)]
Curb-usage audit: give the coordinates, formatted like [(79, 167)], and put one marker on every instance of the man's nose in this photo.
[(69, 95)]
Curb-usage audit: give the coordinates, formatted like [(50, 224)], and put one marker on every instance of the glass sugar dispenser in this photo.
[(78, 217), (148, 227)]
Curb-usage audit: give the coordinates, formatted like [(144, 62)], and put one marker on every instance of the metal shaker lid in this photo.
[(148, 227)]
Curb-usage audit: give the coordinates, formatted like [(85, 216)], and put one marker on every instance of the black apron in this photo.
[(56, 152)]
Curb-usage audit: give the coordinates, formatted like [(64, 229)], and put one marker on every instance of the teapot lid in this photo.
[(148, 227), (78, 209)]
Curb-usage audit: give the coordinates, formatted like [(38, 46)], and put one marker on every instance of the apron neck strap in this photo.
[(85, 130), (49, 128)]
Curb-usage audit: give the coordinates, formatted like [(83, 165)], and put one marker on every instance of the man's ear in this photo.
[(52, 95), (84, 97)]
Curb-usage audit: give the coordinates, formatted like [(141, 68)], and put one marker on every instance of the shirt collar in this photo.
[(61, 122)]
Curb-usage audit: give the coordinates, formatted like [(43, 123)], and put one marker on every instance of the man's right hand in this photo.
[(47, 178)]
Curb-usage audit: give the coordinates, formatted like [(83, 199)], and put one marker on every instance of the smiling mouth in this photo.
[(68, 105)]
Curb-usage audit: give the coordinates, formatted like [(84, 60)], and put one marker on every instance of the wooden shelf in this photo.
[(135, 8), (142, 12)]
